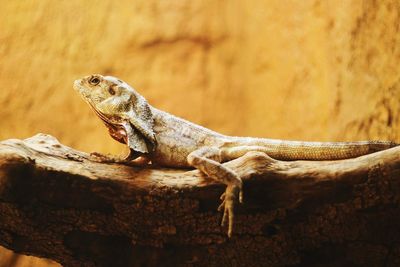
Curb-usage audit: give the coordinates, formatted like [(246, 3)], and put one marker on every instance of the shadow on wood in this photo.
[(57, 203)]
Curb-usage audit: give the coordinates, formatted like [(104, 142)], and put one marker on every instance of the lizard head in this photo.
[(126, 113)]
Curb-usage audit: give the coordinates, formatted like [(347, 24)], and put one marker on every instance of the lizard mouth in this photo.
[(103, 117)]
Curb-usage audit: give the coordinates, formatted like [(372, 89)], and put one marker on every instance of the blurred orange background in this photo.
[(306, 70)]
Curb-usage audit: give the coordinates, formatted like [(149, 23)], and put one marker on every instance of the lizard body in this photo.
[(170, 141), (177, 138)]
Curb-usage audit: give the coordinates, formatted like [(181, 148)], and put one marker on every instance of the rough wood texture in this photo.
[(56, 203)]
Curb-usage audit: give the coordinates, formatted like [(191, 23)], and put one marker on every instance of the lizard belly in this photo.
[(173, 153)]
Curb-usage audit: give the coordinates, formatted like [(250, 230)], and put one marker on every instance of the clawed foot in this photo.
[(231, 195)]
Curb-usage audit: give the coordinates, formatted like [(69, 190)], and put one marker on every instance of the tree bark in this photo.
[(57, 203)]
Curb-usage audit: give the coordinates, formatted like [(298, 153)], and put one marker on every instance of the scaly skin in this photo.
[(157, 136)]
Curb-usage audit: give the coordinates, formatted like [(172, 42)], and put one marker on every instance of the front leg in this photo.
[(208, 160), (132, 158)]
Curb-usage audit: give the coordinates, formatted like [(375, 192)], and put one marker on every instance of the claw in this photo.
[(221, 206), (223, 222)]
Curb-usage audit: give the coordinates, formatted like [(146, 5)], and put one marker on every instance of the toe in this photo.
[(231, 220), (221, 206), (224, 217)]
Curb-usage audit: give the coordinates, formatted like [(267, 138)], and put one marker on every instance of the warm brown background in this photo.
[(312, 69)]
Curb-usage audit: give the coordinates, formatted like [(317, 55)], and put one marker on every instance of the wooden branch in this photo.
[(58, 204)]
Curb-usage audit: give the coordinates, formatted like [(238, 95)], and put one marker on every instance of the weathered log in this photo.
[(57, 203)]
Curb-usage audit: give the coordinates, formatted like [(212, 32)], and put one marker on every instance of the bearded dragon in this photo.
[(164, 139)]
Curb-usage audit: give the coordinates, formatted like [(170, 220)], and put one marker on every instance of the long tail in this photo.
[(299, 150)]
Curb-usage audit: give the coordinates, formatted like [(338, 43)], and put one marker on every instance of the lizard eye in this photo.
[(94, 81), (111, 91)]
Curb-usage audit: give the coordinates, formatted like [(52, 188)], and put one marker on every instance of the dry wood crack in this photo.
[(56, 203)]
